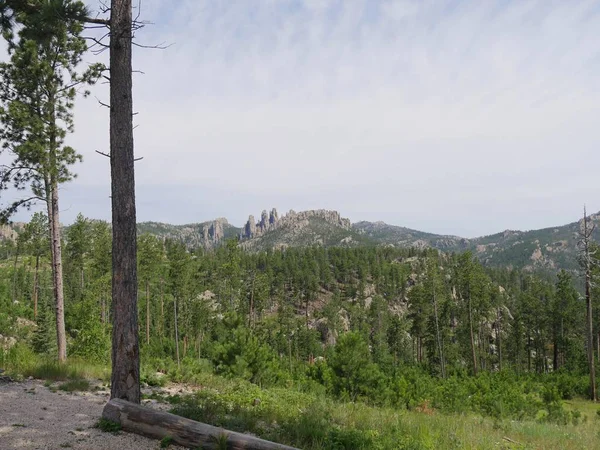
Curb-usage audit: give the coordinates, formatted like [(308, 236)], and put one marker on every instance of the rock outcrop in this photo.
[(293, 220), (206, 234)]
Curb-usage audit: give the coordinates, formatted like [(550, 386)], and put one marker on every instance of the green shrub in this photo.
[(75, 386), (108, 426)]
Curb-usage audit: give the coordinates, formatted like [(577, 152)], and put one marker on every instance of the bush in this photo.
[(241, 355)]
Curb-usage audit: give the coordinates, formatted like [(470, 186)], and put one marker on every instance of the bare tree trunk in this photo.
[(176, 333), (14, 286), (251, 312), (103, 309), (528, 353), (35, 286), (499, 339), (162, 309), (585, 244), (147, 312), (473, 350), (590, 336), (125, 379), (306, 311), (57, 272), (437, 332)]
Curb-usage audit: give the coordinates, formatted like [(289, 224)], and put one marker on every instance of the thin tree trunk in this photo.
[(103, 309), (590, 336), (162, 309), (588, 298), (125, 379), (251, 312), (437, 332), (14, 286), (176, 333), (499, 339), (57, 271), (473, 350), (147, 312), (35, 286), (528, 353), (306, 312)]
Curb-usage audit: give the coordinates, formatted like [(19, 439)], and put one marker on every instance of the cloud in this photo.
[(453, 117)]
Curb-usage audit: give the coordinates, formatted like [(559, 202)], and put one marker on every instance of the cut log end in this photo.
[(138, 419)]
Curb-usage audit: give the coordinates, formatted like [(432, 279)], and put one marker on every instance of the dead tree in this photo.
[(585, 256)]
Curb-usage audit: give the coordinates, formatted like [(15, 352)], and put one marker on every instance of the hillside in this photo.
[(205, 234), (548, 249)]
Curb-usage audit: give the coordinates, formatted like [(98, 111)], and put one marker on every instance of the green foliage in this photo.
[(108, 426), (92, 341), (241, 355), (355, 375), (75, 386), (40, 84), (166, 442), (44, 336)]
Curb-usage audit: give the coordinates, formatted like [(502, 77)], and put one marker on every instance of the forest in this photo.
[(318, 347), (386, 327)]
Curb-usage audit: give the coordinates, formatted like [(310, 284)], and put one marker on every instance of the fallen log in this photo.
[(188, 433)]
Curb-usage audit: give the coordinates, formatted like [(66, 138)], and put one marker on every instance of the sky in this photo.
[(452, 117)]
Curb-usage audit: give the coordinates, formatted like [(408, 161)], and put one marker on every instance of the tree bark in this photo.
[(473, 350), (125, 379), (14, 286), (588, 298), (35, 286), (176, 333), (147, 312), (57, 271), (437, 332), (499, 339), (162, 309), (188, 433)]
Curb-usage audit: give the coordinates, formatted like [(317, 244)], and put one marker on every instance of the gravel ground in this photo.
[(34, 417)]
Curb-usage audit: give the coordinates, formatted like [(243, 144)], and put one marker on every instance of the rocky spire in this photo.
[(273, 217), (250, 228), (264, 221)]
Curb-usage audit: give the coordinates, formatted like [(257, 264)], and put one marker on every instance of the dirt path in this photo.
[(34, 417)]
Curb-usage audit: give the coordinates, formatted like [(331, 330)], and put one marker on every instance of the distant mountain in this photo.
[(548, 249), (307, 228), (206, 234), (382, 233)]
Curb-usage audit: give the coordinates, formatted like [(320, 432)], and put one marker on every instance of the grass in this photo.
[(77, 385), (313, 422), (166, 442), (108, 426), (21, 362)]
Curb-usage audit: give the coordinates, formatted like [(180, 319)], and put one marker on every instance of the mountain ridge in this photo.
[(548, 249)]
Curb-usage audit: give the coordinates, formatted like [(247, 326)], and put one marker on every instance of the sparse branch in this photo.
[(108, 156), (102, 103), (97, 21), (160, 46)]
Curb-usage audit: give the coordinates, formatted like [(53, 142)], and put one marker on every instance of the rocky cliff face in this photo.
[(293, 220), (206, 234), (11, 232)]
